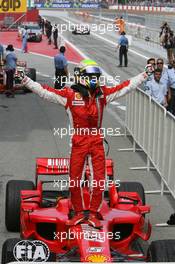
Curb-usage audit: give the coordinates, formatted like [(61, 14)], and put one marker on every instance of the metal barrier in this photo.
[(153, 130)]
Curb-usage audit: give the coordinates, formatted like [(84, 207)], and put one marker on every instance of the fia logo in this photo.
[(26, 250)]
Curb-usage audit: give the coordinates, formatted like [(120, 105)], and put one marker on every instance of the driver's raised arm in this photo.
[(46, 92), (120, 90)]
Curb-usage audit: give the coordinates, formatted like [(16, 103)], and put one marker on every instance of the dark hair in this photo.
[(157, 70), (148, 61), (160, 59), (10, 47), (62, 49)]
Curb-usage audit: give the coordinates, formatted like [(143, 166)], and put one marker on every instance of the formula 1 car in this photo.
[(81, 30), (39, 214), (21, 70), (34, 31)]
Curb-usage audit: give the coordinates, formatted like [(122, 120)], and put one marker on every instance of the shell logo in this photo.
[(98, 258), (78, 96)]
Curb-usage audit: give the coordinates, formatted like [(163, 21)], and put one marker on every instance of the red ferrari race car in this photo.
[(41, 214), (21, 69)]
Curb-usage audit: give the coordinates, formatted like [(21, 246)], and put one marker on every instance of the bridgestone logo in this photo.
[(6, 5)]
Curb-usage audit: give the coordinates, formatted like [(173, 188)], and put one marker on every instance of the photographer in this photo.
[(10, 67)]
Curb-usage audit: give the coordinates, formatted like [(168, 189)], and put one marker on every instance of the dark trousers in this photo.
[(49, 35), (171, 106), (55, 42), (61, 78), (10, 79), (123, 52)]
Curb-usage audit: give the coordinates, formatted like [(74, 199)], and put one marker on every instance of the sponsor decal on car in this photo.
[(97, 258), (95, 249), (27, 250)]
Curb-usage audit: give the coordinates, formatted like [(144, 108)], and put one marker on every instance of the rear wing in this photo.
[(60, 166)]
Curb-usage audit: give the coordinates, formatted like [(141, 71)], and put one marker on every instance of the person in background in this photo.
[(173, 46), (24, 39), (46, 26), (61, 71), (10, 67), (171, 76), (49, 32), (123, 49), (42, 25), (120, 24), (156, 89), (1, 52), (152, 62), (164, 76), (168, 45), (55, 36), (164, 29)]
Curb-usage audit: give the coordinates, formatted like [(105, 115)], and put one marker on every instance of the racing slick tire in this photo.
[(7, 250), (162, 251), (12, 206), (133, 187), (32, 75)]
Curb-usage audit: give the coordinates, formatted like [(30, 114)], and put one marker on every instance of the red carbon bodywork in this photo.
[(122, 209)]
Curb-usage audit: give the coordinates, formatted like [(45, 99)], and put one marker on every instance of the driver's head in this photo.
[(87, 74)]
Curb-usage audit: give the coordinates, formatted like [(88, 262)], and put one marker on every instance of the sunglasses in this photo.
[(159, 62)]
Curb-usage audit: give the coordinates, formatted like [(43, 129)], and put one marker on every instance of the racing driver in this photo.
[(84, 102)]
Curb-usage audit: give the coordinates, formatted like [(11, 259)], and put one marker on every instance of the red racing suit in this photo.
[(85, 113)]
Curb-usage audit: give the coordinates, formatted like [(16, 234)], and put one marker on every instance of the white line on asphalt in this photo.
[(122, 107), (114, 103), (44, 75), (112, 113)]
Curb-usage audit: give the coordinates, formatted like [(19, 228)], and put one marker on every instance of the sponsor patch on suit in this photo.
[(78, 97), (78, 102)]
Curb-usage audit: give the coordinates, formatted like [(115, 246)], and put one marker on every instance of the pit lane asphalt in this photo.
[(27, 124)]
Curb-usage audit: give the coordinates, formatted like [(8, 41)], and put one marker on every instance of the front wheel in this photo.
[(7, 250), (162, 251), (31, 73), (13, 201), (133, 187)]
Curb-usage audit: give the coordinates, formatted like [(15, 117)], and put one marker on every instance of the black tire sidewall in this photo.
[(133, 187), (13, 199), (7, 250)]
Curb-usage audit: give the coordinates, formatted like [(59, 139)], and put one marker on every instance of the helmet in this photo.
[(88, 73)]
